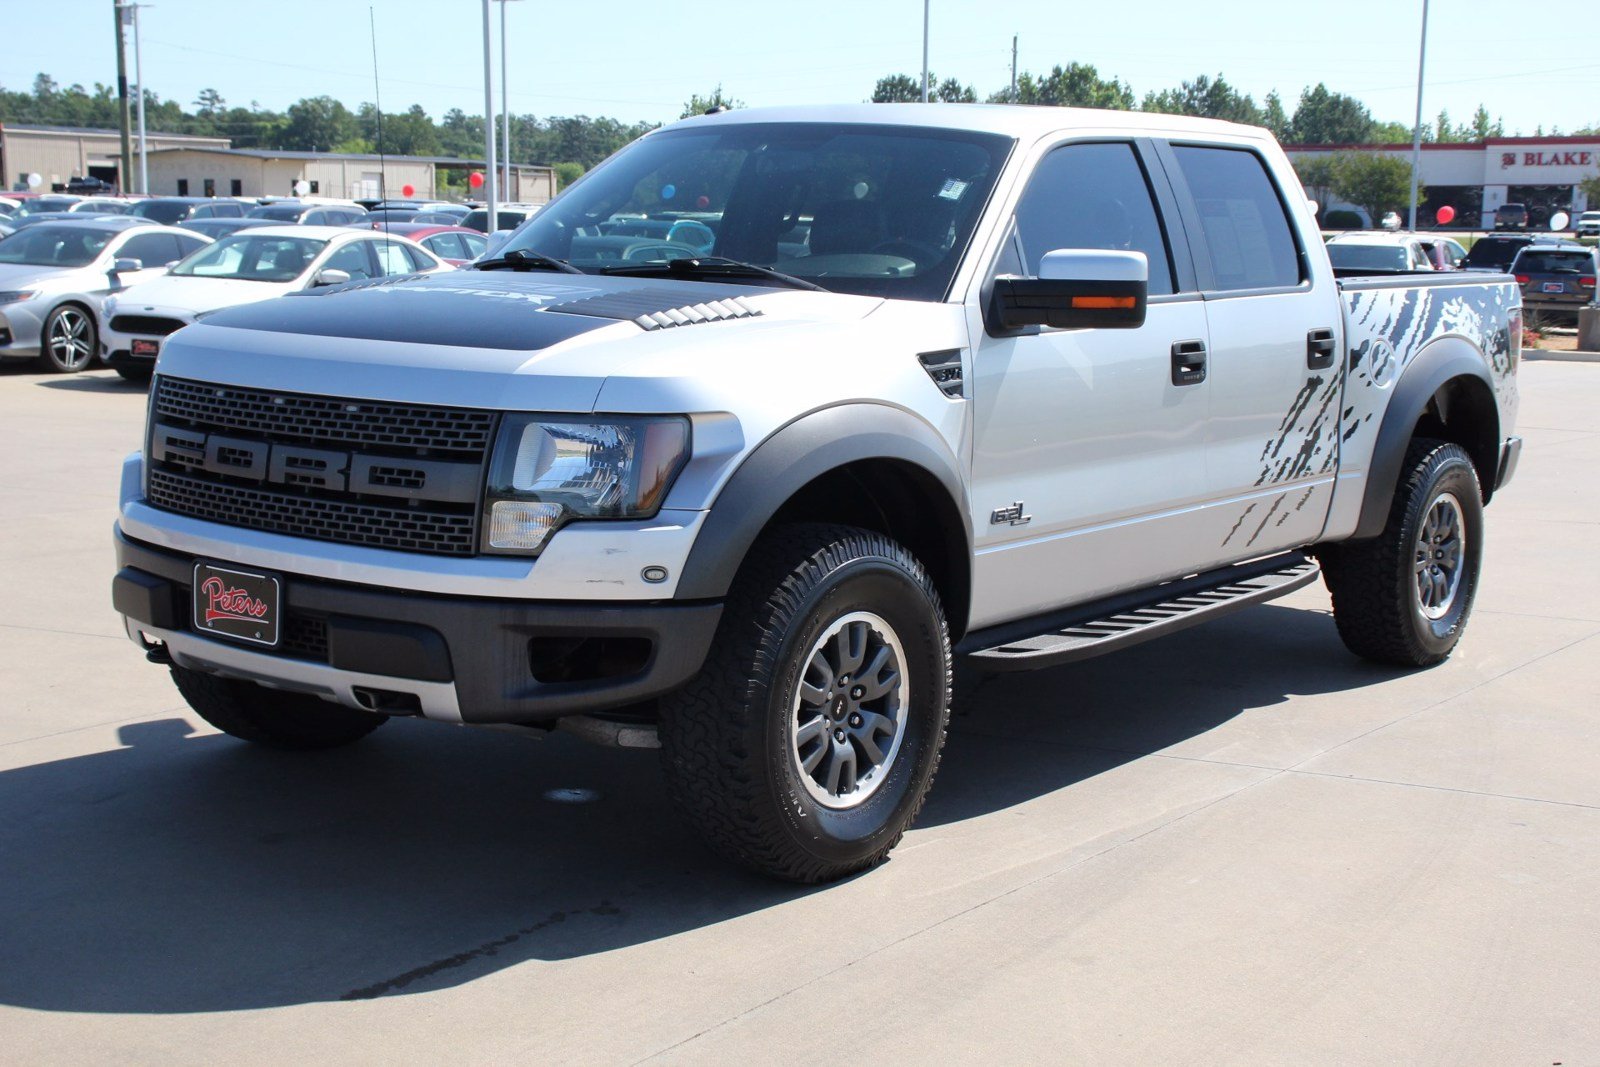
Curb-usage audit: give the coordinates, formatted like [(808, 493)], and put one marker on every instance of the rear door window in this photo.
[(1249, 243), (151, 249), (1092, 196)]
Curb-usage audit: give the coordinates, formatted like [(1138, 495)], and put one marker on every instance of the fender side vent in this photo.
[(944, 367)]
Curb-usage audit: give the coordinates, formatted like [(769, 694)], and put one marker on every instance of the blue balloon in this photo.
[(668, 192)]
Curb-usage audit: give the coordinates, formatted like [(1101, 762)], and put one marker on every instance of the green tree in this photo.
[(699, 105), (1377, 181), (1481, 128), (567, 173), (1591, 189), (1074, 85), (1207, 99), (1318, 175), (1325, 117), (210, 102), (317, 124), (1274, 117), (907, 89)]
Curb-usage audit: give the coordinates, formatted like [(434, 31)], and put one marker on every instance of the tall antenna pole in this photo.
[(505, 108), (1416, 130), (925, 51), (377, 102), (126, 177), (490, 176), (1013, 97)]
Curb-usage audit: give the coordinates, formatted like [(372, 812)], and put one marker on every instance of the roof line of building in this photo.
[(72, 131), (361, 157), (1445, 146)]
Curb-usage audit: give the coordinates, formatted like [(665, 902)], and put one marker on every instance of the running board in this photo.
[(1132, 618)]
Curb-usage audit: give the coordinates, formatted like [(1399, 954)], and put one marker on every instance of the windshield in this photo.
[(41, 204), (286, 213), (1368, 257), (165, 212), (1555, 263), (1492, 254), (54, 245), (252, 258), (872, 210)]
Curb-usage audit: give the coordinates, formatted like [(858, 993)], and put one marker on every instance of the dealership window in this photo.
[(183, 186), (211, 186), (314, 189), (236, 188)]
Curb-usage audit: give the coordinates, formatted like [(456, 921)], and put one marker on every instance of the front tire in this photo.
[(70, 339), (1402, 598), (272, 717), (809, 741)]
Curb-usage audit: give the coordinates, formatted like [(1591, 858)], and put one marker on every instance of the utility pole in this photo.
[(505, 108), (1416, 130), (490, 174), (925, 50), (138, 79), (1013, 97), (125, 175)]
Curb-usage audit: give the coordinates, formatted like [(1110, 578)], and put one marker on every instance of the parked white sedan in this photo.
[(243, 268)]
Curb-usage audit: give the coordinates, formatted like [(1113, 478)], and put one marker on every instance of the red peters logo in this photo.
[(227, 602), (1508, 159)]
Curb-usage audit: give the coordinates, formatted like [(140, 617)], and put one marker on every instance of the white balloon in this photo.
[(1559, 220), (302, 187), (34, 181)]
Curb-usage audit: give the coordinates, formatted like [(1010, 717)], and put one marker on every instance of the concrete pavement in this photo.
[(1237, 845)]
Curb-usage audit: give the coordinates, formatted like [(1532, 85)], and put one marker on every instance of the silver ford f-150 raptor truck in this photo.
[(742, 442)]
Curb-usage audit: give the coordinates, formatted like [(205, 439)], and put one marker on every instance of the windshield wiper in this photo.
[(713, 267), (522, 259)]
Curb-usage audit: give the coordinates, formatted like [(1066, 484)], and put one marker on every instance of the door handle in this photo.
[(1319, 349), (1188, 362)]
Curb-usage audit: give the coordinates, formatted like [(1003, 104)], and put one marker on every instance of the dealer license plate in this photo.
[(241, 605), (1555, 287), (142, 347)]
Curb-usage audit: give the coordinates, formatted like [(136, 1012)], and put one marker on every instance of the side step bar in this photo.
[(1129, 619)]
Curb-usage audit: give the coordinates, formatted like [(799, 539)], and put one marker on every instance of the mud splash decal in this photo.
[(1325, 425)]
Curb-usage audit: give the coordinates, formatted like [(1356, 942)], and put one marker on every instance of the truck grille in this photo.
[(240, 457)]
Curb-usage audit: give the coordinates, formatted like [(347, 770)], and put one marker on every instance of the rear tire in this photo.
[(1402, 598), (272, 717), (809, 741)]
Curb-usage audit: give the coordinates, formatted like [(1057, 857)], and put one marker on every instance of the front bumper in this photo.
[(21, 326), (463, 659)]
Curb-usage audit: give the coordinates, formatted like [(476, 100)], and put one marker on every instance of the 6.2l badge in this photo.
[(1011, 515)]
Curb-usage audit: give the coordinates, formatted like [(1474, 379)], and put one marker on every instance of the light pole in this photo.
[(490, 176), (1416, 130), (138, 88), (505, 109), (925, 14)]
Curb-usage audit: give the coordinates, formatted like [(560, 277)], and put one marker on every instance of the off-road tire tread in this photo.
[(709, 768), (253, 713), (1371, 610)]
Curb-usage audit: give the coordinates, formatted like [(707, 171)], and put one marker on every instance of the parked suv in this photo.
[(1495, 251), (1556, 279), (1511, 217), (1588, 224)]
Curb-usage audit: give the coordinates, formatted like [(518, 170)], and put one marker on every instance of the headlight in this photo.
[(545, 473), (109, 306), (14, 295)]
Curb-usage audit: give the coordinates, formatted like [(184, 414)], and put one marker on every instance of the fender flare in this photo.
[(1439, 363), (797, 454)]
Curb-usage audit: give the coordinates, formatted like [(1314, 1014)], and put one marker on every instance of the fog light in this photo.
[(521, 524)]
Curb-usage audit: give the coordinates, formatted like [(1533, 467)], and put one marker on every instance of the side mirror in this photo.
[(330, 276), (126, 266), (1076, 288)]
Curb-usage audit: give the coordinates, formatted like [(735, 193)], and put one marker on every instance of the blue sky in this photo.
[(634, 59)]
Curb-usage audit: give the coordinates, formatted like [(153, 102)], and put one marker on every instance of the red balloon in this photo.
[(703, 202), (1446, 215), (475, 179), (408, 190)]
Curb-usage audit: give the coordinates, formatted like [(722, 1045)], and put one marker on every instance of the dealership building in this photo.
[(1542, 172)]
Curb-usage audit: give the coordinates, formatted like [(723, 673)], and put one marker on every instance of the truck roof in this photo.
[(1021, 121)]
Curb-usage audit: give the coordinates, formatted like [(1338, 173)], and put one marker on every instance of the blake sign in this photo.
[(1546, 159)]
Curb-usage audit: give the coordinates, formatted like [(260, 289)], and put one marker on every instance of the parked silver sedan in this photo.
[(54, 277)]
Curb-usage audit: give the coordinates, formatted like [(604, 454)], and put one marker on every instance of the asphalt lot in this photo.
[(1237, 845)]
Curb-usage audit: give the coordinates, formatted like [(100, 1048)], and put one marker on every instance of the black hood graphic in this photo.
[(481, 309)]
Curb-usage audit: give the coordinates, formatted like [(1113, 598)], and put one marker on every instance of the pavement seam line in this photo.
[(94, 726), (64, 633), (1444, 789)]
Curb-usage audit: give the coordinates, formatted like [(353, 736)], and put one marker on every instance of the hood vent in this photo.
[(656, 309)]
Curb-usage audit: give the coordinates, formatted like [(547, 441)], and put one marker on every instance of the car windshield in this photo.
[(54, 245), (1491, 254), (1367, 257), (41, 204), (165, 212), (252, 258), (285, 213), (856, 209), (1555, 263)]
